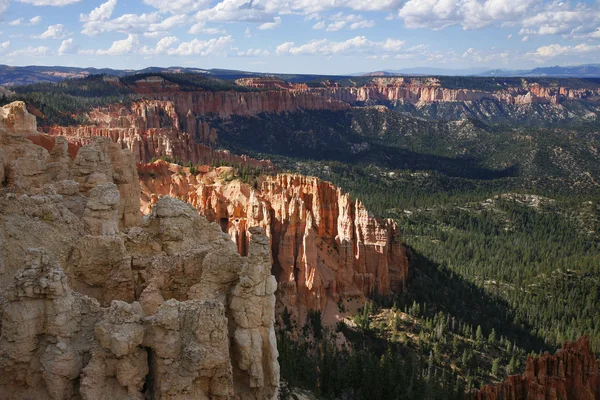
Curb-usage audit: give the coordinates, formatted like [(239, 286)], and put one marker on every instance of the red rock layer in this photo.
[(572, 373), (325, 245), (151, 129)]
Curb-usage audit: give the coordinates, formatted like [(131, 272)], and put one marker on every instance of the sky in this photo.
[(300, 36)]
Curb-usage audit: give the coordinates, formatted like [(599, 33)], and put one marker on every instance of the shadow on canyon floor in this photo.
[(443, 290)]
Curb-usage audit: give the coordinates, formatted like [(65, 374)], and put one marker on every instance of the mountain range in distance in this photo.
[(17, 75), (576, 71)]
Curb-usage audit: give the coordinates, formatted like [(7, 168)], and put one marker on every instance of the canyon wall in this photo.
[(326, 248), (97, 302), (152, 129), (572, 373)]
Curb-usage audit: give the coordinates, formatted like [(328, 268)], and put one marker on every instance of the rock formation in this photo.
[(152, 129), (572, 373), (97, 302), (325, 246)]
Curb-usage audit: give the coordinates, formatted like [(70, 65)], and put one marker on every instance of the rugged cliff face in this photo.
[(325, 246), (98, 302), (429, 90), (572, 373), (151, 129)]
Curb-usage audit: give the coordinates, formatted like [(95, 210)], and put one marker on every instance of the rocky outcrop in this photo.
[(325, 246), (572, 373), (97, 302), (14, 117), (153, 129)]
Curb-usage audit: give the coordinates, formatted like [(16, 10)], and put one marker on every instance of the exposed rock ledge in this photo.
[(325, 245), (99, 303), (572, 373)]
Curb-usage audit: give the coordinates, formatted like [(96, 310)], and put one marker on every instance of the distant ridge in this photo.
[(576, 71)]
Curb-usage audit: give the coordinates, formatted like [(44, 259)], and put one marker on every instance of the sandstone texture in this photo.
[(325, 246), (98, 302), (572, 373)]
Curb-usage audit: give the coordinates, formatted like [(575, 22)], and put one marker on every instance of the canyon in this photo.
[(326, 248), (99, 302), (572, 373)]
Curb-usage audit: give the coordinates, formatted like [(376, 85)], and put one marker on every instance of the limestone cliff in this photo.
[(97, 302), (572, 373), (325, 245)]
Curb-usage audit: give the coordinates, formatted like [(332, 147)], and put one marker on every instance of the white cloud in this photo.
[(563, 19), (247, 33), (126, 23), (362, 24), (335, 26), (169, 23), (357, 45), (178, 6), (201, 29), (271, 25), (29, 51), (100, 13), (253, 53), (5, 45), (54, 32), (120, 47), (203, 47), (33, 21), (4, 5), (265, 10), (319, 25), (161, 46), (55, 3), (509, 36), (470, 14), (555, 50), (67, 47)]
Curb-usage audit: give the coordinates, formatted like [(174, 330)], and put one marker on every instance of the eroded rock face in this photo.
[(152, 129), (325, 245), (572, 373), (97, 302), (14, 117)]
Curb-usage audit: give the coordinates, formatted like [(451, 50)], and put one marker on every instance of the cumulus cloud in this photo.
[(563, 19), (270, 25), (356, 45), (161, 46), (126, 23), (21, 21), (5, 45), (178, 6), (362, 25), (67, 47), (201, 29), (555, 50), (470, 14), (100, 13), (203, 47), (335, 26), (54, 32), (120, 47), (169, 23), (29, 51), (55, 3), (253, 53)]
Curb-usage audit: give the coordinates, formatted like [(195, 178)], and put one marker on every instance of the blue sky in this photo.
[(304, 36)]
